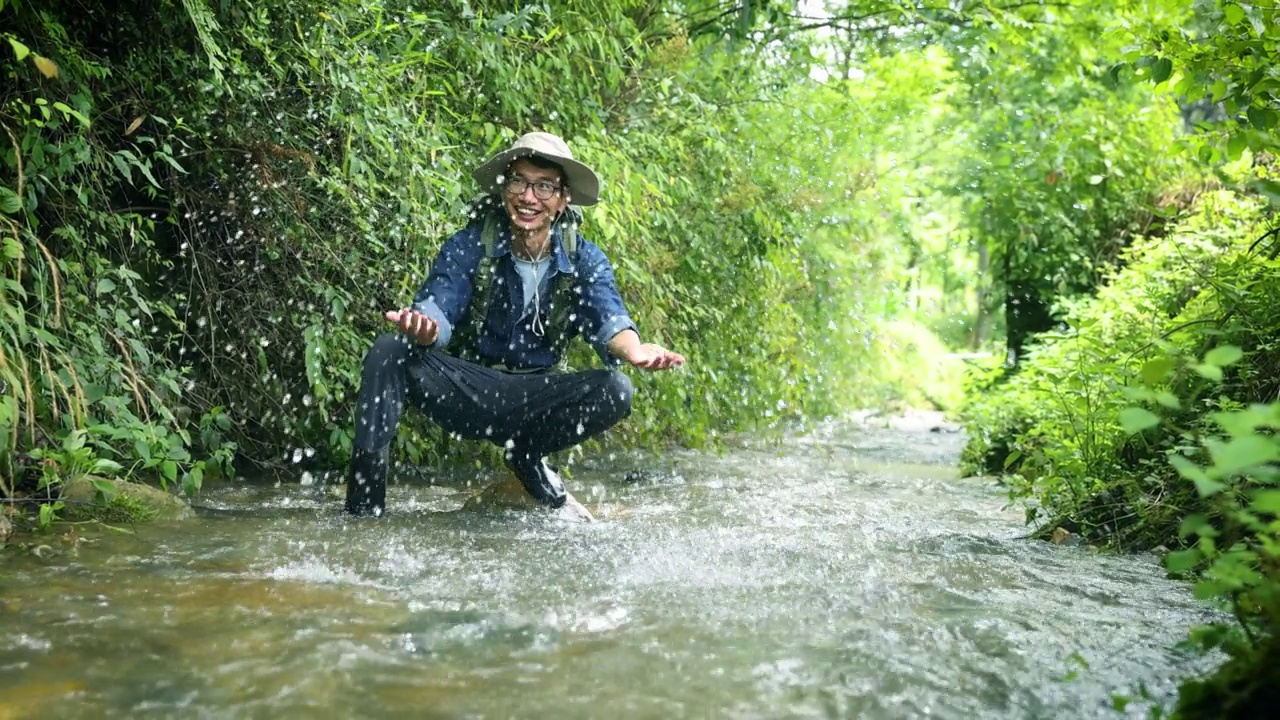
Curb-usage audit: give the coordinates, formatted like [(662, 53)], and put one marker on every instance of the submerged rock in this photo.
[(131, 503), (1063, 536), (509, 494)]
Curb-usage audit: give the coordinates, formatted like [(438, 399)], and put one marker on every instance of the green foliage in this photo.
[(1152, 422), (1233, 539), (1059, 426), (197, 265), (1219, 57)]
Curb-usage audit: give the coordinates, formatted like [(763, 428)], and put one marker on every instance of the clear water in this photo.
[(844, 573)]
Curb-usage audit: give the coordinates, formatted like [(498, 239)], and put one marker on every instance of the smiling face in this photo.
[(529, 212)]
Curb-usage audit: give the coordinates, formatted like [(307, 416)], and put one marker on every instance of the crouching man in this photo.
[(478, 350)]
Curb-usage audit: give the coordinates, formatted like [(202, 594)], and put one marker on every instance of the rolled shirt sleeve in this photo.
[(603, 312), (445, 294)]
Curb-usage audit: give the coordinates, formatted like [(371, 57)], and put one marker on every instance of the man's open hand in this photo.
[(648, 356), (421, 328)]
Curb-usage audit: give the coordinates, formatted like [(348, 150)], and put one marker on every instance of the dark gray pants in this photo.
[(532, 415)]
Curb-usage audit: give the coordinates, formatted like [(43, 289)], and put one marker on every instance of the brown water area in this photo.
[(843, 572)]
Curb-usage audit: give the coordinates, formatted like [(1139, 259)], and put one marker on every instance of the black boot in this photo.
[(539, 480), (367, 482)]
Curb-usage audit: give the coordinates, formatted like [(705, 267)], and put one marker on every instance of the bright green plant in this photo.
[(1233, 539)]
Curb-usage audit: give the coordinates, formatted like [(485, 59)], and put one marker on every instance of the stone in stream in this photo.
[(509, 494), (132, 502)]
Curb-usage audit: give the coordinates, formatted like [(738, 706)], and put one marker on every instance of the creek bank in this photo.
[(125, 503)]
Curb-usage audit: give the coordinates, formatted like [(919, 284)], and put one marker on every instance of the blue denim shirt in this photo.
[(507, 337)]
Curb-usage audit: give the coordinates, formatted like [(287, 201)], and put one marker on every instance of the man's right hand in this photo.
[(421, 328)]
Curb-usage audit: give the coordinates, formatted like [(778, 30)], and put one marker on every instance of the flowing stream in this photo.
[(846, 572)]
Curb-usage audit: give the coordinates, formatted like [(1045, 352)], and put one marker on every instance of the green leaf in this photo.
[(1243, 453), (10, 203), (104, 286), (22, 51), (1269, 189), (1236, 145), (1156, 370), (107, 488), (1169, 400), (169, 469), (1161, 70), (1196, 524), (1212, 372), (71, 112), (1012, 458), (1135, 420), (74, 441), (123, 167), (103, 466), (1233, 14), (1205, 485), (1218, 89), (1267, 501), (1223, 355), (1262, 118), (1209, 589), (1181, 561)]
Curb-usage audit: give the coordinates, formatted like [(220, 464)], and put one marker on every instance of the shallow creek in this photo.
[(846, 572)]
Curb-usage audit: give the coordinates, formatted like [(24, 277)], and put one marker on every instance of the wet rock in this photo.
[(652, 476), (1063, 536), (131, 503), (6, 528), (509, 494)]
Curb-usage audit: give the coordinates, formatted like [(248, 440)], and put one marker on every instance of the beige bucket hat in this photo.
[(584, 185)]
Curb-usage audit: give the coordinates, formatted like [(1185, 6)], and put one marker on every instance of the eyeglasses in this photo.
[(543, 189)]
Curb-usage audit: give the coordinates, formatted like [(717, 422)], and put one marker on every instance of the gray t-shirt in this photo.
[(531, 274)]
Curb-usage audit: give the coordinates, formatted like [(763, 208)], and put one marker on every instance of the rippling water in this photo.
[(844, 573)]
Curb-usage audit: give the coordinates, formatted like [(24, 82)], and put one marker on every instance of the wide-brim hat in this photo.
[(584, 185)]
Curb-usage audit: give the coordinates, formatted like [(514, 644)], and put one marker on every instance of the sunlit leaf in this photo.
[(22, 51), (1212, 372), (1224, 355), (1233, 14), (1155, 370), (1243, 453), (47, 67), (1135, 420), (1267, 501)]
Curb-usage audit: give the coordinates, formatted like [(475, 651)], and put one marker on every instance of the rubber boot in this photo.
[(367, 482)]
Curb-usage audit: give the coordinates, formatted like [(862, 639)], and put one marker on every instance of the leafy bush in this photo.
[(200, 233), (1057, 424)]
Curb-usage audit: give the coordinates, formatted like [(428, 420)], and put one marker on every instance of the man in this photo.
[(477, 350)]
